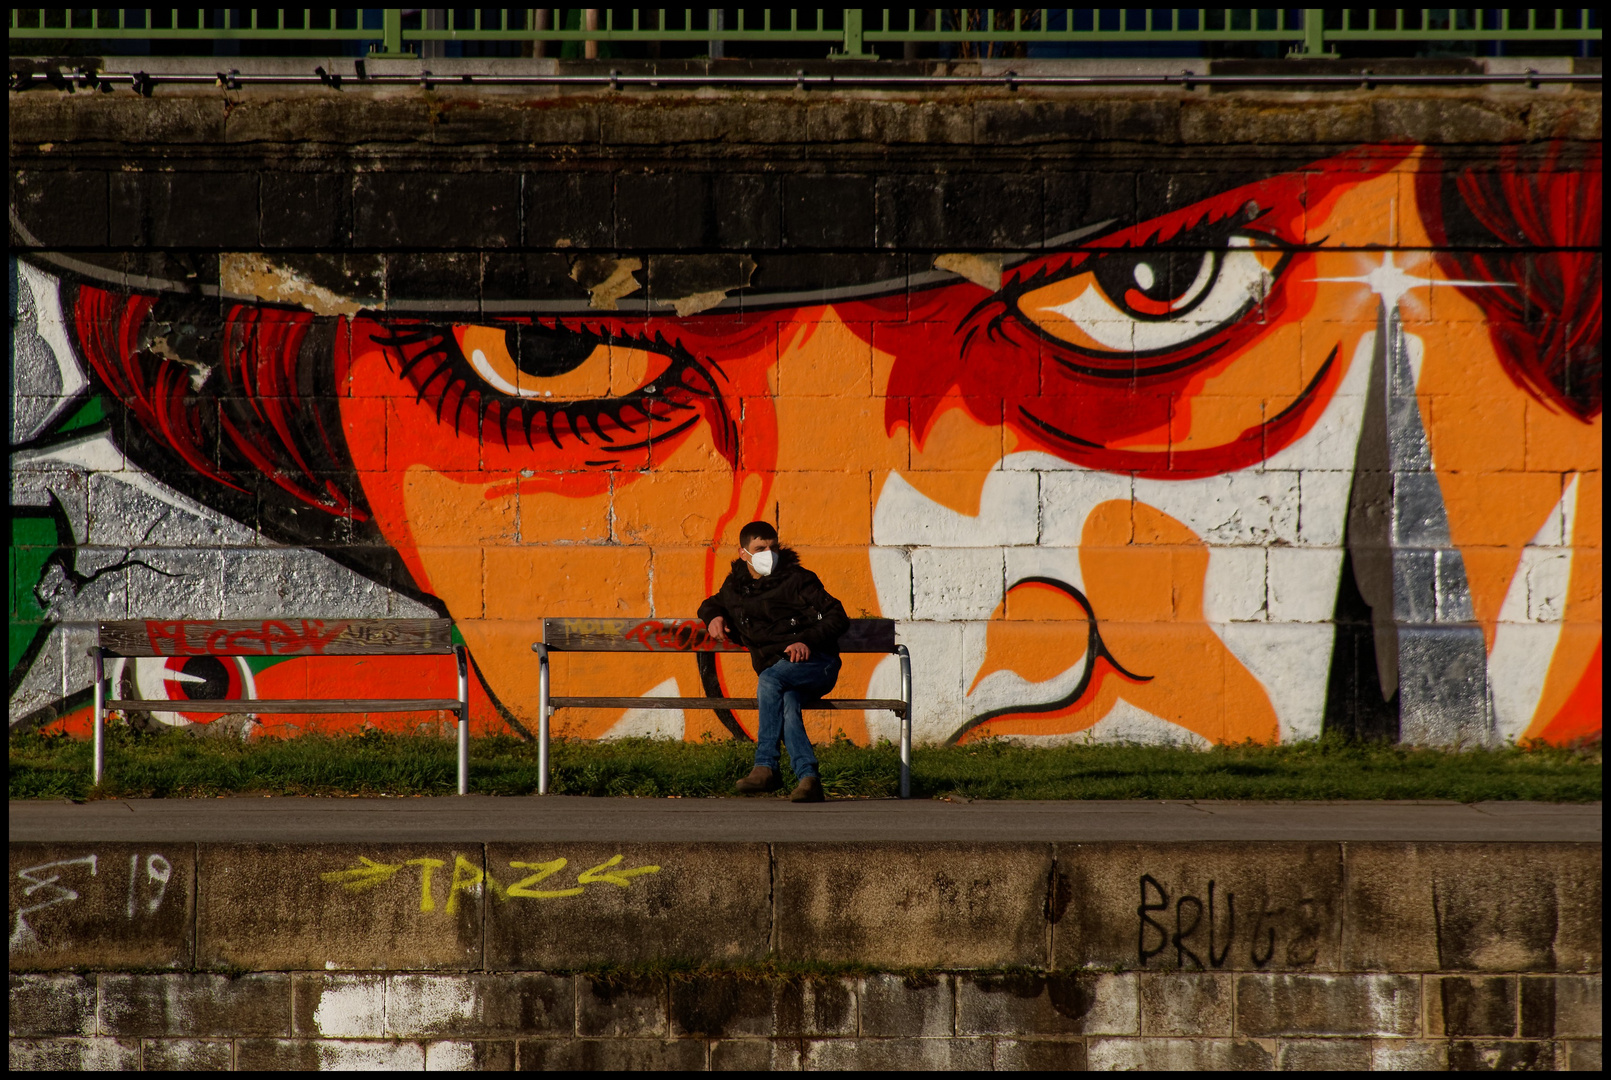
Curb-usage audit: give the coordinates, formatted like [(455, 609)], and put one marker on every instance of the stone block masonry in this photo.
[(1147, 413), (721, 956), (536, 1020)]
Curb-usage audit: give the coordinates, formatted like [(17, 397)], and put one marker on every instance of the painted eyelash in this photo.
[(1210, 235), (681, 395)]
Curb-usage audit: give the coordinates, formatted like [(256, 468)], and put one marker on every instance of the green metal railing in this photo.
[(849, 32)]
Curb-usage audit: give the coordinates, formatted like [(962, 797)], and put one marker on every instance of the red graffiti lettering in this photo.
[(168, 639), (270, 638), (688, 635), (640, 633), (247, 641), (282, 639)]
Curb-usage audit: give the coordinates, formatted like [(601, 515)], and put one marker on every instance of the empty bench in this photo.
[(280, 638), (690, 636)]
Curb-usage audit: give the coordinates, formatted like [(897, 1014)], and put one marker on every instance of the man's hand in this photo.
[(717, 628), (798, 651)]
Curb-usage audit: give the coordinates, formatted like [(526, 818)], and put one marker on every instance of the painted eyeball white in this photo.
[(483, 367), (1225, 285)]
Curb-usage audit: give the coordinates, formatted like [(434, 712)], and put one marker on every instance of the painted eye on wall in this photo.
[(531, 361), (1154, 300)]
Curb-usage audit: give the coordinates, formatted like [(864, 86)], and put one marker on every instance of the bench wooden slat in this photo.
[(288, 705), (277, 637), (891, 704), (687, 635)]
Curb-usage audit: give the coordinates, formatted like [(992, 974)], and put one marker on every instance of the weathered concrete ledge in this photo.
[(1244, 907), (1240, 955)]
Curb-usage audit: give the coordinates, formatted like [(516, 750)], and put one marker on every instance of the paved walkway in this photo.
[(484, 818)]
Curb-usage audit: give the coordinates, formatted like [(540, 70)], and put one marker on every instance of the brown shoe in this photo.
[(809, 790), (760, 780)]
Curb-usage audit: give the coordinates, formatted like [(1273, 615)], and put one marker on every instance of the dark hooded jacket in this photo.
[(768, 614)]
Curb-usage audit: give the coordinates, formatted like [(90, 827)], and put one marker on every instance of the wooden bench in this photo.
[(690, 636), (281, 638)]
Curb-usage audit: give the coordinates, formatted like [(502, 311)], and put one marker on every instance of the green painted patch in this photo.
[(89, 414), (33, 542)]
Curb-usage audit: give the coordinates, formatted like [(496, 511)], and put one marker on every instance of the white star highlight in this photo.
[(1391, 283)]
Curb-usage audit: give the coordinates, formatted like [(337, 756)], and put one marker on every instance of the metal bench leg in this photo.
[(99, 656), (459, 654), (542, 717), (906, 721)]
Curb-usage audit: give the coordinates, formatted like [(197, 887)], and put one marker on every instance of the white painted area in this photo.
[(52, 330), (88, 453), (1124, 723), (484, 368), (956, 584), (1293, 663), (449, 1057), (1301, 583), (1323, 507), (1254, 506), (938, 667), (1530, 621), (351, 1007), (1234, 587), (428, 1004), (651, 723), (1067, 497), (892, 580), (1063, 564), (904, 516)]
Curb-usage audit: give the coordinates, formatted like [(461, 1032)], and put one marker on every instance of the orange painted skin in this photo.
[(509, 534)]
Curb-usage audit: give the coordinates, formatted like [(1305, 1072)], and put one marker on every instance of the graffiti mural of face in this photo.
[(1088, 464), (1107, 490)]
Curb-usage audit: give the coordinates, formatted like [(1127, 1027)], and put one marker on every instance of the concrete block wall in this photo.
[(1186, 955), (535, 1020), (1149, 415)]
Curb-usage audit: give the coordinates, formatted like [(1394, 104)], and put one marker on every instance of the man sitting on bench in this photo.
[(780, 612)]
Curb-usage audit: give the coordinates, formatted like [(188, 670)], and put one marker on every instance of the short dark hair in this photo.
[(756, 530)]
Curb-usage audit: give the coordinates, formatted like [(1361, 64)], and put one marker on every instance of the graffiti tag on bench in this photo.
[(633, 635), (276, 637), (687, 635), (527, 880)]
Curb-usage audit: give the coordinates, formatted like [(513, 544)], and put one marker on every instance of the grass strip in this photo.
[(175, 764)]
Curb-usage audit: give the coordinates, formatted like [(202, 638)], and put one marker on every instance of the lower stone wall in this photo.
[(938, 1020), (1010, 955)]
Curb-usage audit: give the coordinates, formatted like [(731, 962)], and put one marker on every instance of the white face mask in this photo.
[(763, 562)]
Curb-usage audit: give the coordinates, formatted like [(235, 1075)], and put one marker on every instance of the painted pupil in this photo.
[(214, 684), (1163, 277), (544, 353)]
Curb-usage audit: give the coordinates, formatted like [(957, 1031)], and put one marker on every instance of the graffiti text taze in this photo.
[(467, 877)]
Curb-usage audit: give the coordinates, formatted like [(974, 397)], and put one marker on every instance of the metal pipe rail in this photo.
[(1310, 31), (144, 83)]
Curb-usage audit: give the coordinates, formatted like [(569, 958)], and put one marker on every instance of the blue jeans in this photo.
[(783, 687)]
